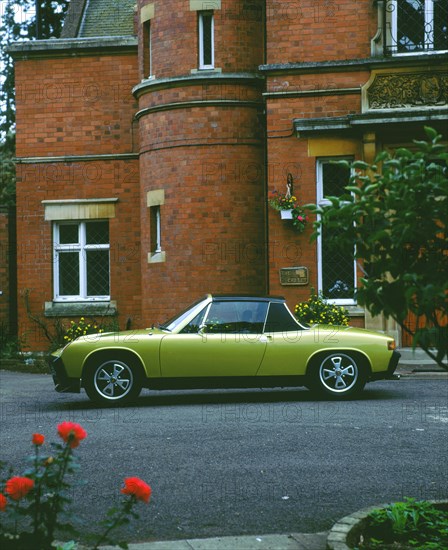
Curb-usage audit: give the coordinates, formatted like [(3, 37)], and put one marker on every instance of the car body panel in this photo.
[(190, 355)]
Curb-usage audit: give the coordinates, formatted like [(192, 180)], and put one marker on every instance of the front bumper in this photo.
[(62, 382), (389, 373)]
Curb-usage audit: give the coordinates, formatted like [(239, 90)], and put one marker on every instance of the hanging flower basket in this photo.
[(289, 209), (286, 214)]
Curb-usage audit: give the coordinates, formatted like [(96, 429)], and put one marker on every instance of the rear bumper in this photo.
[(62, 382), (389, 373)]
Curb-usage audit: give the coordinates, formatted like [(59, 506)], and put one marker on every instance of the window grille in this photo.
[(413, 26), (206, 40), (81, 261), (336, 270)]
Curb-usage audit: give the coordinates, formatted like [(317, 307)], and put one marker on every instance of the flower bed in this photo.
[(418, 525)]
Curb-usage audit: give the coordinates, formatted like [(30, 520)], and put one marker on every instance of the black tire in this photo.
[(338, 374), (113, 380)]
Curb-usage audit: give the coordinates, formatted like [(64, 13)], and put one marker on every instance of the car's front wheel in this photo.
[(338, 374), (112, 381)]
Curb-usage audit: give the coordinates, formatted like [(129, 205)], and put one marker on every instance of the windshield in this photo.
[(178, 319)]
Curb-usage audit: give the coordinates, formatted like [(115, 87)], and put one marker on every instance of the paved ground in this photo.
[(410, 369)]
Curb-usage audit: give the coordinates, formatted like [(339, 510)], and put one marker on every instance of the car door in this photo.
[(225, 340)]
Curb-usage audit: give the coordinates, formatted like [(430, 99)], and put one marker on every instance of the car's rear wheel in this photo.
[(113, 380), (338, 374)]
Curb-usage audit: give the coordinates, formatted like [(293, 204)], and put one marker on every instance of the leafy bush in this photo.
[(409, 524), (318, 310)]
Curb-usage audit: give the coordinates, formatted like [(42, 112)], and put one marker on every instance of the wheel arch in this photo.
[(363, 358), (116, 353)]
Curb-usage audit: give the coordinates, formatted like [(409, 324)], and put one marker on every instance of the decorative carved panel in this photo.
[(402, 90)]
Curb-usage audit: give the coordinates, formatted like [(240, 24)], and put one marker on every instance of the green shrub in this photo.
[(318, 310), (410, 524)]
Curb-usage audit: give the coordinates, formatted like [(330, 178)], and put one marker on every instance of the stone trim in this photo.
[(200, 103), (205, 5), (155, 198), (147, 13), (79, 209), (351, 64), (304, 127), (72, 47), (156, 257), (312, 93), (76, 309), (76, 158), (195, 79)]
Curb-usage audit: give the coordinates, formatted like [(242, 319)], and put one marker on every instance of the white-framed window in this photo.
[(414, 26), (156, 230), (336, 271), (147, 44), (206, 31), (81, 260)]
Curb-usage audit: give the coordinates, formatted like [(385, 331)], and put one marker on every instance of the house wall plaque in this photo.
[(290, 276)]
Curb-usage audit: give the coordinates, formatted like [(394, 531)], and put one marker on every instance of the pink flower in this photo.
[(71, 433)]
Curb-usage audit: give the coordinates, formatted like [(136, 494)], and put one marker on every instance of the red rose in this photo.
[(38, 439), (3, 502), (137, 487), (71, 433), (18, 487)]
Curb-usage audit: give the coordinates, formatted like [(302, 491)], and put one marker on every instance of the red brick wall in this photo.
[(65, 107), (209, 159), (238, 36), (75, 105), (319, 30)]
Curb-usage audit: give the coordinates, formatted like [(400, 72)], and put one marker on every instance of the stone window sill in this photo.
[(77, 309)]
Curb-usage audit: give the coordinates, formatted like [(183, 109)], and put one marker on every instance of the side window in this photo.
[(236, 317), (280, 319)]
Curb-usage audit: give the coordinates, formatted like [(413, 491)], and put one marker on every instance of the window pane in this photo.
[(337, 271), (207, 39), (97, 232), (280, 320), (97, 272), (411, 25), (68, 233), (69, 273), (441, 25), (236, 317), (337, 268), (335, 179)]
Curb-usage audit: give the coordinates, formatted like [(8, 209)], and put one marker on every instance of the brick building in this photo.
[(149, 136)]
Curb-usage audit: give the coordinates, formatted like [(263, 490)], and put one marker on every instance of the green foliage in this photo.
[(18, 22), (81, 328), (318, 310), (408, 524), (7, 172), (395, 213)]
